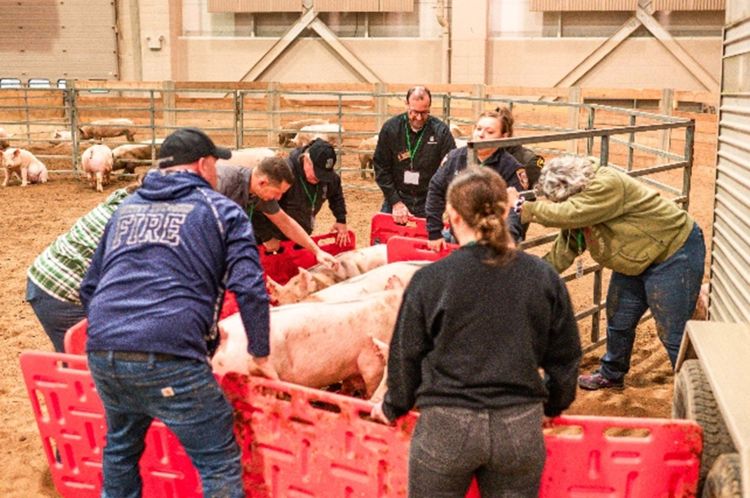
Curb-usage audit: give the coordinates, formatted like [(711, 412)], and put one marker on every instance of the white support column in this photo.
[(469, 41)]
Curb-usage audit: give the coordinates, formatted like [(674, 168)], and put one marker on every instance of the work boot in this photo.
[(594, 381)]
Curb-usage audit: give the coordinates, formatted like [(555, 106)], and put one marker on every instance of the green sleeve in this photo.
[(563, 252), (600, 201)]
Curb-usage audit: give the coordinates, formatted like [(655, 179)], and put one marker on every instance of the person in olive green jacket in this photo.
[(654, 249)]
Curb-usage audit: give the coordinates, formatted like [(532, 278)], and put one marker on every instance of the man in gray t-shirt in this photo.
[(260, 188)]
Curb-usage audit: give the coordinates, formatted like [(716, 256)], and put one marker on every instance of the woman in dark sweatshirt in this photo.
[(472, 334)]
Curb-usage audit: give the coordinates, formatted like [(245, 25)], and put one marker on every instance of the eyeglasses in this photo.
[(414, 113)]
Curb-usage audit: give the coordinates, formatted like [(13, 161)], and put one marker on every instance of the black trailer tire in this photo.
[(694, 400), (725, 479)]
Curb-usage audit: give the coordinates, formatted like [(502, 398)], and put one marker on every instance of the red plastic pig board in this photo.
[(307, 443), (383, 228), (286, 263), (71, 423), (299, 442), (410, 249)]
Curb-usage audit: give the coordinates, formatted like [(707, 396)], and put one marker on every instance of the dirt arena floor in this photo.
[(34, 216)]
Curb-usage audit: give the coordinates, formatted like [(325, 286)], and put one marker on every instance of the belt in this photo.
[(138, 356)]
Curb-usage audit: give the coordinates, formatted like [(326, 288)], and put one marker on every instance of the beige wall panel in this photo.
[(254, 6), (347, 5), (644, 63), (394, 60), (128, 39), (469, 30), (397, 5), (637, 63), (537, 62), (688, 4), (572, 5), (45, 39), (155, 24)]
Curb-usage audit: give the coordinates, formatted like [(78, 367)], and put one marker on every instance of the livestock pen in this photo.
[(59, 199), (659, 148)]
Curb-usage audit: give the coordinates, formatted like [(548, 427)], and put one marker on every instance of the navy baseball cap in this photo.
[(323, 158), (187, 145)]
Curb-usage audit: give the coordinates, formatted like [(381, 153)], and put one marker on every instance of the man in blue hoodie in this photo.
[(152, 296)]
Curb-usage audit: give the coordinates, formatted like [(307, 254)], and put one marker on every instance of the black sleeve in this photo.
[(409, 345), (562, 355), (435, 205), (336, 201), (383, 160), (533, 169), (264, 229), (448, 143)]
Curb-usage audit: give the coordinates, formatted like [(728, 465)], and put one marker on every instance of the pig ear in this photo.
[(16, 152), (273, 288), (305, 280)]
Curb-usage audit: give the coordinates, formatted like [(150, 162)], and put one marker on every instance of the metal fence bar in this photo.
[(631, 140), (74, 125), (689, 147)]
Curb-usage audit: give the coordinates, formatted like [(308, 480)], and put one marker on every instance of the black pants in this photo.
[(502, 448)]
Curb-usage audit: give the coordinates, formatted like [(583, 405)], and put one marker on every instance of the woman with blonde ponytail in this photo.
[(472, 333)]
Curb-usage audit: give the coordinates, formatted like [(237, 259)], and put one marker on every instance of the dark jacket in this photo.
[(391, 160), (455, 162), (296, 202), (157, 279), (473, 335)]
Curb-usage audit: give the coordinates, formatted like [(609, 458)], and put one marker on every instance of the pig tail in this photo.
[(480, 197)]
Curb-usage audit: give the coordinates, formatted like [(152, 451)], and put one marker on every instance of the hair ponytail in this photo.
[(480, 197)]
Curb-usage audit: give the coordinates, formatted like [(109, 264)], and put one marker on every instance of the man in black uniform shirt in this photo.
[(315, 182), (410, 148)]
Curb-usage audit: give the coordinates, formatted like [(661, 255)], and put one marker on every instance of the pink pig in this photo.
[(319, 344), (24, 164), (96, 162), (351, 264)]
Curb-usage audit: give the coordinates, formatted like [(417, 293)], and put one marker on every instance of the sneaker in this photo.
[(596, 380)]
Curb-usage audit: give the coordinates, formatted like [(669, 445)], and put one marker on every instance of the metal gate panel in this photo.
[(730, 253), (52, 39)]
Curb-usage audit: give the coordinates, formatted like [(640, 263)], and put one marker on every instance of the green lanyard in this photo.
[(311, 198), (412, 152), (580, 241), (249, 210)]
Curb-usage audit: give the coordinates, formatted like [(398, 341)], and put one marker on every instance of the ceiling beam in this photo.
[(346, 55), (599, 54), (278, 48), (679, 53)]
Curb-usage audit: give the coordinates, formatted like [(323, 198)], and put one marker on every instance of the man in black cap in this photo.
[(152, 295), (315, 182)]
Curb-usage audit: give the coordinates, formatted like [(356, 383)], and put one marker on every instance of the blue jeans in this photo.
[(56, 316), (503, 448), (670, 289), (185, 396)]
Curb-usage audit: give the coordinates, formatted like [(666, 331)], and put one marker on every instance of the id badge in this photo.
[(411, 177), (579, 267)]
